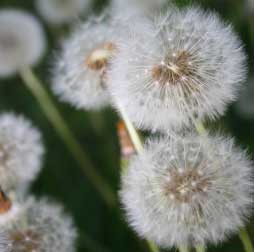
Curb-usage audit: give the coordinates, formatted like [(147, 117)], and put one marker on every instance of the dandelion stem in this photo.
[(59, 124), (200, 248), (153, 247), (245, 238), (183, 249), (131, 130)]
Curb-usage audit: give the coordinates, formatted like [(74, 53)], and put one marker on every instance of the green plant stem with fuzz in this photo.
[(243, 234), (200, 248), (245, 238), (183, 249), (59, 124)]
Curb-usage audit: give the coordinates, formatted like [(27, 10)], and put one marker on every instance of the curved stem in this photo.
[(131, 130), (153, 247), (200, 248), (246, 241), (183, 249), (59, 124)]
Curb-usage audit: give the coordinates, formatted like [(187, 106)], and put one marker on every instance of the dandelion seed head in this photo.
[(194, 75), (59, 12), (47, 228), (21, 152), (80, 75), (186, 201), (17, 49)]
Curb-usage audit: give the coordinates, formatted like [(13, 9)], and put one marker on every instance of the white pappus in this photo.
[(21, 152), (188, 67), (188, 191), (22, 41)]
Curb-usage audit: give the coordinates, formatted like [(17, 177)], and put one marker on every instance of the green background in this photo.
[(100, 229)]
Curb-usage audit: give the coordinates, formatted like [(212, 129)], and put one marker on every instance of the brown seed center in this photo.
[(173, 69), (5, 203), (24, 241), (183, 185), (98, 59)]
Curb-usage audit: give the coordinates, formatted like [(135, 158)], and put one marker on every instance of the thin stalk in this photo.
[(246, 241), (59, 124), (153, 247), (200, 248), (183, 249), (243, 234), (132, 131)]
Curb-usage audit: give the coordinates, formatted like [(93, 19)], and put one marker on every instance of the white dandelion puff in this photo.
[(188, 191), (41, 226), (21, 152), (80, 75), (190, 66), (62, 11), (22, 41)]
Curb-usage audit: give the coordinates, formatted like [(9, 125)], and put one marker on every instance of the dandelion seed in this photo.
[(192, 77), (40, 226), (80, 75), (21, 152), (18, 50), (205, 199)]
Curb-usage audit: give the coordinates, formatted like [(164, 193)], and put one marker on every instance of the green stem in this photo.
[(183, 249), (53, 115), (246, 241), (132, 131), (200, 248), (153, 247)]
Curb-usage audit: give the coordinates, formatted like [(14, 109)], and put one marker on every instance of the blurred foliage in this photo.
[(100, 229)]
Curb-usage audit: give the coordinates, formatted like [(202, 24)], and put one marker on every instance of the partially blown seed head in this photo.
[(21, 151), (80, 75), (188, 66), (17, 49), (41, 226), (188, 191)]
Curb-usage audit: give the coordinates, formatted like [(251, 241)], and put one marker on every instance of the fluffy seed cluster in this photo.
[(16, 49), (189, 66), (40, 226), (188, 190), (61, 11), (80, 75), (21, 151)]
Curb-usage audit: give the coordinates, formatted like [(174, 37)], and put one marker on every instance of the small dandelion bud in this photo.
[(59, 12), (189, 66), (176, 200), (40, 226), (80, 75), (21, 151), (18, 50)]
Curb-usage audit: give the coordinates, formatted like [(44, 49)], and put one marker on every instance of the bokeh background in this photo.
[(100, 229)]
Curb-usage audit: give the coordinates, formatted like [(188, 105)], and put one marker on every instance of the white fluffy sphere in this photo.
[(40, 226), (80, 75), (21, 152), (22, 41), (188, 191), (190, 66), (61, 11)]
